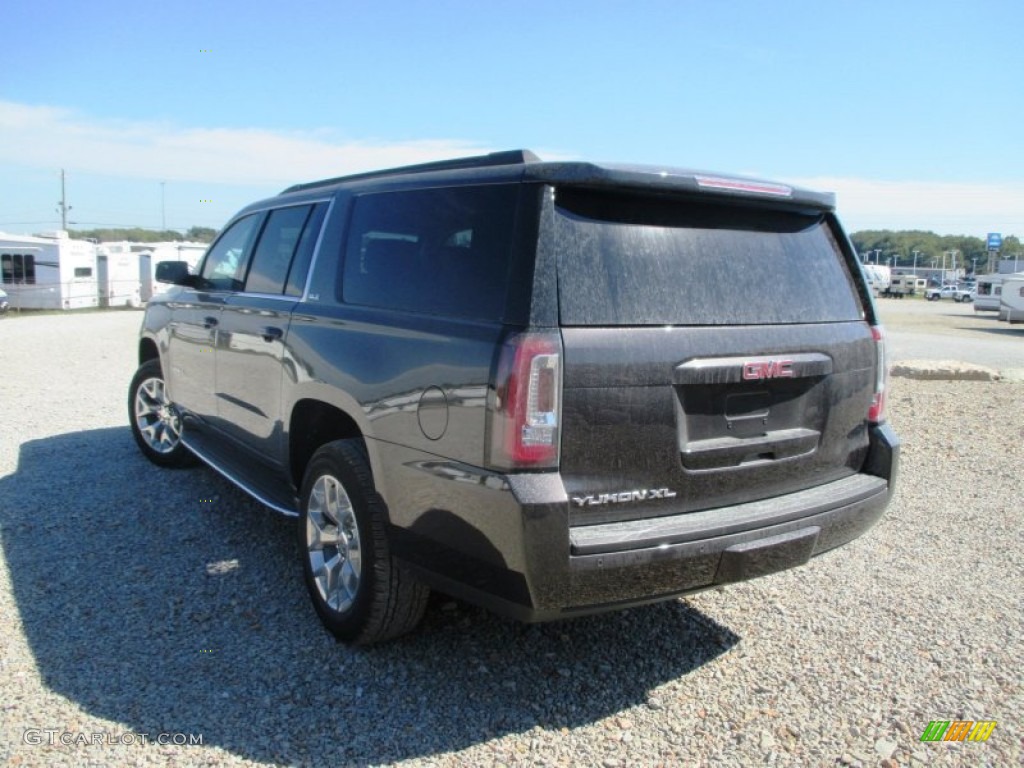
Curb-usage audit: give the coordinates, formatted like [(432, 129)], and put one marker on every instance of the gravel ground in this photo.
[(946, 330), (135, 600)]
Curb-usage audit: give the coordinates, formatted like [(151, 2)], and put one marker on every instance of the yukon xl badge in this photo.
[(622, 497)]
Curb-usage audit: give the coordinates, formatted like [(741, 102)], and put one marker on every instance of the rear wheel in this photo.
[(155, 422), (357, 588)]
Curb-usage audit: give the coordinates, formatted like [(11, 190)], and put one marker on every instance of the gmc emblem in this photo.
[(768, 369)]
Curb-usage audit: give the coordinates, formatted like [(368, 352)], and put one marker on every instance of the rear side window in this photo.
[(269, 268), (432, 251), (304, 252), (628, 260)]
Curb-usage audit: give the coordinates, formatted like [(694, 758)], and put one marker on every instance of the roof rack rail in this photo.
[(509, 157)]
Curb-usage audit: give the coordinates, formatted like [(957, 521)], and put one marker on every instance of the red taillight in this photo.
[(876, 412), (527, 405)]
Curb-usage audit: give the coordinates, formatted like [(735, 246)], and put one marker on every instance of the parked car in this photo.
[(956, 293), (551, 389), (5, 304)]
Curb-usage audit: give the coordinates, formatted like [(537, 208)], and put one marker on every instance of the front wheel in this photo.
[(357, 588), (155, 422)]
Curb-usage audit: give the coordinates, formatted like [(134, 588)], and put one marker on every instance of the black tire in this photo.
[(156, 425), (365, 597)]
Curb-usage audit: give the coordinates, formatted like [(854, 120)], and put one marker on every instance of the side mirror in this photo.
[(175, 272)]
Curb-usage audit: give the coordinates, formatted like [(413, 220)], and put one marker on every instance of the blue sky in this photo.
[(911, 111)]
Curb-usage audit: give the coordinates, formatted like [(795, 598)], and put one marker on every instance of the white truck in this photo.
[(954, 292)]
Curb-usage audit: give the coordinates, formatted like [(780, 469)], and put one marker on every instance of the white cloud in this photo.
[(942, 207), (55, 137)]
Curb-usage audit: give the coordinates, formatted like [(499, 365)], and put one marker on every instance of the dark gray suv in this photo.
[(551, 389)]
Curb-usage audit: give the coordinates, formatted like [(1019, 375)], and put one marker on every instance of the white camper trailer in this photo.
[(989, 289), (127, 270), (878, 276), (48, 272), (1011, 306), (151, 254), (119, 275)]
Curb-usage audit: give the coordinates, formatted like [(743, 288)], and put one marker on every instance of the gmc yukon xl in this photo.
[(548, 388)]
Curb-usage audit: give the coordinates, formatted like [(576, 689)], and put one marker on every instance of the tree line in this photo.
[(139, 235), (899, 246), (882, 246)]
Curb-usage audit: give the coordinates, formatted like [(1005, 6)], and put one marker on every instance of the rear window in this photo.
[(432, 251), (628, 260)]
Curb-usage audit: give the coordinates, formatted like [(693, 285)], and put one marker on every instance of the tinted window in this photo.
[(224, 266), (275, 249), (625, 260), (18, 268), (304, 253), (437, 251)]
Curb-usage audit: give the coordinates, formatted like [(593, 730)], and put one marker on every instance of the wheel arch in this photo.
[(148, 350), (312, 424)]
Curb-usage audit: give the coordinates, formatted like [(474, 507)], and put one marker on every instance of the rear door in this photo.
[(254, 326), (715, 353)]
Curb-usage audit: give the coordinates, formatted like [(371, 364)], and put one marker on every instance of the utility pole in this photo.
[(63, 206), (163, 208)]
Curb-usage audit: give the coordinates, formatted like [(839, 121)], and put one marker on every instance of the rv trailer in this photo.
[(878, 276), (151, 254), (128, 270), (990, 287), (1011, 305), (50, 271)]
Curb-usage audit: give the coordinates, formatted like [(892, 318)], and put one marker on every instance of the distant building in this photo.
[(1010, 266)]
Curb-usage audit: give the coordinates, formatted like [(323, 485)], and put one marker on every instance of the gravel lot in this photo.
[(138, 601), (946, 330)]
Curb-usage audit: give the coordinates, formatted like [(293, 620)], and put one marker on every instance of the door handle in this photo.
[(270, 333), (209, 322)]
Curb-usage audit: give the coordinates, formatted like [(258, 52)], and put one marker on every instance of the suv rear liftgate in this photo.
[(720, 396)]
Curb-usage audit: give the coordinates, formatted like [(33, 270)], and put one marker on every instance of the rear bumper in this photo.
[(667, 569), (543, 569)]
